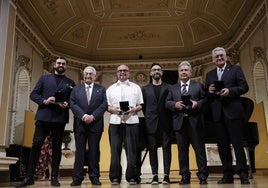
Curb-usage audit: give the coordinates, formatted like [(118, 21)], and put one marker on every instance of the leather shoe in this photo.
[(75, 183), (184, 181), (244, 181), (95, 181), (244, 178), (226, 180), (54, 182), (26, 182), (203, 182), (115, 182)]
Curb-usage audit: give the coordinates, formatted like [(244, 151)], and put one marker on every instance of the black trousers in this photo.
[(83, 135), (42, 129), (191, 134), (126, 135), (231, 132), (158, 139)]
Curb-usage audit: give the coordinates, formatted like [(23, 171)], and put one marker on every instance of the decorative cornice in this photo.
[(23, 61), (259, 53), (135, 63), (243, 36), (234, 55)]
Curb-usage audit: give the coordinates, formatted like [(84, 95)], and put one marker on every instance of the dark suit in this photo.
[(228, 115), (49, 118), (90, 133), (189, 130), (158, 125)]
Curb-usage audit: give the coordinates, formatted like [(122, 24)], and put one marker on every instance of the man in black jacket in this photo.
[(51, 93), (158, 122), (228, 113)]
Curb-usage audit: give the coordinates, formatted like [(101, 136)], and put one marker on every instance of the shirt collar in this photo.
[(123, 83), (218, 69), (91, 85), (188, 83)]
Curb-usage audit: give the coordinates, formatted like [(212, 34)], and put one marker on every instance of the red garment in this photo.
[(45, 157)]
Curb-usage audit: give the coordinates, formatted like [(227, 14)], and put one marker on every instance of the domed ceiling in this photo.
[(101, 30)]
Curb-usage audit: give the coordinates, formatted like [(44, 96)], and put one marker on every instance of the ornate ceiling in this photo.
[(100, 30)]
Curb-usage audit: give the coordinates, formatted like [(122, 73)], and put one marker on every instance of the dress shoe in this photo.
[(75, 183), (155, 180), (226, 180), (166, 180), (203, 181), (95, 181), (26, 182), (115, 182), (54, 182), (244, 181), (244, 178), (184, 181), (132, 182)]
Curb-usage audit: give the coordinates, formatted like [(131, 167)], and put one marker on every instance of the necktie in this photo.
[(220, 72), (184, 90), (88, 94)]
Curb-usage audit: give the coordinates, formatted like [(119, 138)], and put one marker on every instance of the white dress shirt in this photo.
[(124, 91)]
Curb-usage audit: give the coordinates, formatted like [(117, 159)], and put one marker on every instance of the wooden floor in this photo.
[(259, 180)]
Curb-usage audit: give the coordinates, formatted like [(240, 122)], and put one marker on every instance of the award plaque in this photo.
[(124, 106), (219, 85), (186, 101), (58, 97)]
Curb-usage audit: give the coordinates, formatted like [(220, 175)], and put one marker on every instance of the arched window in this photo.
[(20, 104)]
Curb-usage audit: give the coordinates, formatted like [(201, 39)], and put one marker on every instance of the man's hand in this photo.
[(88, 119), (179, 105)]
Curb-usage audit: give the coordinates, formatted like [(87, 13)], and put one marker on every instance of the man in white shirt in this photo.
[(124, 126)]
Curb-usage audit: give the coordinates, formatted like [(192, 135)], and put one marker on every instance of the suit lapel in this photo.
[(178, 85), (226, 71), (190, 87)]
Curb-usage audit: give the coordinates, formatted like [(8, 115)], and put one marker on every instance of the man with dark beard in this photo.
[(51, 93), (158, 122)]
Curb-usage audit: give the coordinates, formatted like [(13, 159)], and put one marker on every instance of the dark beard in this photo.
[(60, 70), (157, 77)]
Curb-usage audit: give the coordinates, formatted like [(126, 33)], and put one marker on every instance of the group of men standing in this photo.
[(169, 110)]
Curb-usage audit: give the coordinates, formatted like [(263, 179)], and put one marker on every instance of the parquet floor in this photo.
[(259, 180)]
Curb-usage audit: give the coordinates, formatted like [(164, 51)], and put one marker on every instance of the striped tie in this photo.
[(184, 90)]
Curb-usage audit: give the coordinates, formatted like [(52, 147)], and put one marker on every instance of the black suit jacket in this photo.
[(47, 87), (154, 111), (196, 90), (231, 105), (97, 107)]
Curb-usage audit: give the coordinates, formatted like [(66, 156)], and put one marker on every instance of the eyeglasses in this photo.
[(61, 63), (154, 70), (122, 70), (220, 55)]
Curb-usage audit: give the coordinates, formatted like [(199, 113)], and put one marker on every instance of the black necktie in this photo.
[(184, 90)]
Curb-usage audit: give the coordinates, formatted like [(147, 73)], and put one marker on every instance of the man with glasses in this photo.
[(124, 102), (51, 93), (228, 114), (158, 122)]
